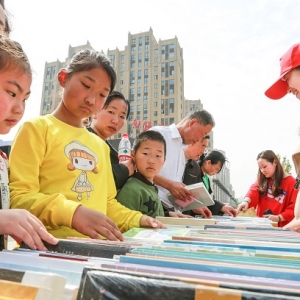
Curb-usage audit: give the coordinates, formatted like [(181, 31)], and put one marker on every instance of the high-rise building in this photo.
[(150, 74), (222, 187)]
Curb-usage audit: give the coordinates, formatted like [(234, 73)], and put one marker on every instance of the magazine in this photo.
[(201, 198)]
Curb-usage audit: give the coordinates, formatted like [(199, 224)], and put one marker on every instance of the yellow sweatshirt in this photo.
[(55, 167)]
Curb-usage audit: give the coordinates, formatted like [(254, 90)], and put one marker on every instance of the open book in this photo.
[(201, 198)]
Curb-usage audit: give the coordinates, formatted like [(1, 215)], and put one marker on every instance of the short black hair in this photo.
[(215, 157), (117, 95), (149, 135)]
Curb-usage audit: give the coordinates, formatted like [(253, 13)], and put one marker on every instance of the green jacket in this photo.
[(140, 194)]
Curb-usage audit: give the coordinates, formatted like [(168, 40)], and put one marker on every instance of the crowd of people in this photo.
[(65, 178)]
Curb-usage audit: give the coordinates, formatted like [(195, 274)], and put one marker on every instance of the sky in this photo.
[(231, 52)]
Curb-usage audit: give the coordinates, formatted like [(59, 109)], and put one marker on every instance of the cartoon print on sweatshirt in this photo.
[(83, 159)]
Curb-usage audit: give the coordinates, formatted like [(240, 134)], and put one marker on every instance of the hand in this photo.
[(21, 225), (148, 222), (229, 210), (273, 218), (178, 215), (130, 165), (93, 224), (178, 190), (204, 212), (293, 225), (242, 207)]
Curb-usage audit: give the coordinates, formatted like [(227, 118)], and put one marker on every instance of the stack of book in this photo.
[(223, 258)]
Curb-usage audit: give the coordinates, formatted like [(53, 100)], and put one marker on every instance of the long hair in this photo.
[(262, 180)]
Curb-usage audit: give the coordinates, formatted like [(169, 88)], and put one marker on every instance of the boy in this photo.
[(139, 192)]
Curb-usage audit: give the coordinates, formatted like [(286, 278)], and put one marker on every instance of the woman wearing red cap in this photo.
[(289, 82)]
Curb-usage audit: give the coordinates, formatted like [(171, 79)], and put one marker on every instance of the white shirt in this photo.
[(174, 165)]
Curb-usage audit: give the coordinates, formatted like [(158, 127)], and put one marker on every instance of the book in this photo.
[(114, 285), (186, 221), (250, 212), (200, 198), (154, 235), (15, 290), (48, 280), (86, 248)]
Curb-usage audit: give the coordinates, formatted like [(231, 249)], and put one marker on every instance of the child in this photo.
[(139, 192), (15, 81), (64, 174), (273, 194), (289, 82)]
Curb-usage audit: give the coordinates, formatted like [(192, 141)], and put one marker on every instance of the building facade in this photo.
[(222, 187)]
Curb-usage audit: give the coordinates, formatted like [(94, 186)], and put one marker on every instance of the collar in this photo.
[(140, 177), (174, 132)]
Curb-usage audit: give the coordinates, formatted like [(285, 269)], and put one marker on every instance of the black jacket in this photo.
[(120, 171), (193, 174)]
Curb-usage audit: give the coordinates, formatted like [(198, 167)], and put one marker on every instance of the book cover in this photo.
[(200, 198), (186, 221), (15, 291), (116, 285), (86, 248), (48, 280), (154, 235)]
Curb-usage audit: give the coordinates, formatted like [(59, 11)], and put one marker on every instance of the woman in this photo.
[(108, 121), (208, 165), (289, 82), (273, 194)]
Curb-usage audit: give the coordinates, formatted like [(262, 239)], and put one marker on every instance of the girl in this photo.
[(64, 173), (15, 81), (273, 194), (208, 165), (108, 121)]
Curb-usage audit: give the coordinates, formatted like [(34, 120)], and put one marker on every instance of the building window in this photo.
[(145, 89), (121, 82), (171, 86), (155, 68), (155, 77), (171, 100), (122, 57), (171, 50), (155, 104), (145, 106), (133, 49), (156, 51), (156, 59), (155, 113), (172, 68), (132, 61), (121, 74), (155, 95), (145, 97), (122, 65), (48, 73), (112, 58), (155, 86), (146, 80)]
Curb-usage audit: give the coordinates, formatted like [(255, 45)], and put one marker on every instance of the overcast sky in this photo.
[(231, 53)]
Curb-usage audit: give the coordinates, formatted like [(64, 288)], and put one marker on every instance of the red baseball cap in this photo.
[(289, 61)]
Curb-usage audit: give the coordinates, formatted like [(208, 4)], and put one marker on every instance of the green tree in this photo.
[(287, 167)]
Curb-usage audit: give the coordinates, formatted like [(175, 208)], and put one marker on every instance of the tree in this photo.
[(287, 167)]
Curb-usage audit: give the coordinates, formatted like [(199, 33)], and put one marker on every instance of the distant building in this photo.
[(222, 187)]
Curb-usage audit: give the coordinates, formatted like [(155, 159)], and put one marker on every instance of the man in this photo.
[(194, 174), (190, 130)]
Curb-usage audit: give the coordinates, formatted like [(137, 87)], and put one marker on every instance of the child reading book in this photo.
[(61, 172), (139, 192)]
